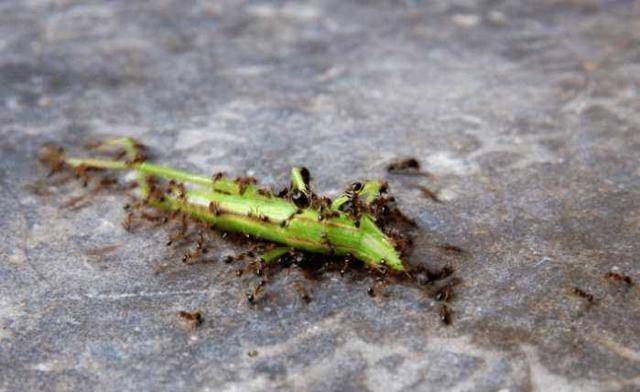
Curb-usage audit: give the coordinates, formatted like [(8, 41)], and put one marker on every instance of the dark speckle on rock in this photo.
[(525, 114)]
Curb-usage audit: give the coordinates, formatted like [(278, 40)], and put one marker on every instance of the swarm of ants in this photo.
[(439, 283)]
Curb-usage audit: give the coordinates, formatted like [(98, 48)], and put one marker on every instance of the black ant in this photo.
[(306, 176), (244, 182), (445, 314), (424, 276), (217, 176), (199, 251), (405, 166), (251, 296), (379, 209), (300, 199), (192, 319), (444, 294), (285, 222), (291, 258), (259, 270), (451, 248), (303, 293), (620, 278), (52, 157), (182, 191), (353, 207), (264, 192), (214, 208), (128, 222), (200, 243), (429, 193), (106, 182), (583, 294), (184, 224), (356, 187), (348, 259), (81, 172), (321, 203), (265, 218)]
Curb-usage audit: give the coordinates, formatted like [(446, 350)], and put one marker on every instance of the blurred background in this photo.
[(525, 113)]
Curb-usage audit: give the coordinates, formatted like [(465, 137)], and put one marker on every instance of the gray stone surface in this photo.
[(526, 112)]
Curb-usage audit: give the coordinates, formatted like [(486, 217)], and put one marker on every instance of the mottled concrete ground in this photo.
[(527, 114)]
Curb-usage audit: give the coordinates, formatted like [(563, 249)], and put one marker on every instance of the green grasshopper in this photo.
[(299, 219)]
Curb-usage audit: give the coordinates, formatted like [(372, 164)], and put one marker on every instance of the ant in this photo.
[(251, 295), (408, 166), (106, 182), (424, 276), (81, 173), (445, 314), (303, 293), (321, 203), (451, 248), (258, 267), (430, 194), (199, 251), (348, 259), (583, 294), (619, 277), (265, 218), (217, 176), (291, 258), (380, 209), (380, 282), (52, 157), (445, 293), (128, 222), (371, 291), (181, 233), (200, 243), (244, 182), (150, 217), (214, 208), (353, 207), (404, 164), (300, 199), (264, 192), (181, 190), (283, 192), (285, 222), (306, 176), (192, 319)]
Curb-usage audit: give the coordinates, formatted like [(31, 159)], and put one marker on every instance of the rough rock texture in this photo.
[(526, 113)]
